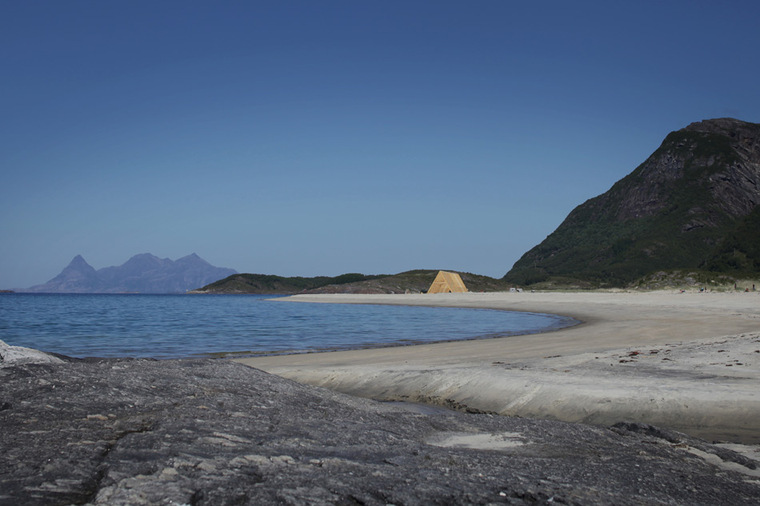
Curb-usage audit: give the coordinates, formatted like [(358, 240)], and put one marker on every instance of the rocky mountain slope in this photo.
[(693, 204), (144, 273)]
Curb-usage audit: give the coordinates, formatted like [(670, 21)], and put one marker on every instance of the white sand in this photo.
[(687, 361)]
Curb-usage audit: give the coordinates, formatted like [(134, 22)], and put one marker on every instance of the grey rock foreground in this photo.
[(15, 355), (217, 432)]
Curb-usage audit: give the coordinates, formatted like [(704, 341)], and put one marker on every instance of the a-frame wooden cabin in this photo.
[(447, 282)]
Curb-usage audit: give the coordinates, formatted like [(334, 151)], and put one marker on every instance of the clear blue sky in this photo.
[(316, 138)]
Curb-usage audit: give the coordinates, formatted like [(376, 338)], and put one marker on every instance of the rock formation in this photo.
[(125, 432), (17, 355)]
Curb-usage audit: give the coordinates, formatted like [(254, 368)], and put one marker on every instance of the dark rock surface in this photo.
[(217, 432)]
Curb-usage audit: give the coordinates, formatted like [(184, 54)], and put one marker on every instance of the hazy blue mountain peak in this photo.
[(142, 273)]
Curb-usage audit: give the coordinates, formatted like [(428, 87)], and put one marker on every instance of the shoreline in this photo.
[(126, 431), (562, 322), (686, 361)]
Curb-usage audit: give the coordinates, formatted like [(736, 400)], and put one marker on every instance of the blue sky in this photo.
[(317, 138)]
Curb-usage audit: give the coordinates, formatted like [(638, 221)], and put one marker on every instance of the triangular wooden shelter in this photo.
[(447, 282)]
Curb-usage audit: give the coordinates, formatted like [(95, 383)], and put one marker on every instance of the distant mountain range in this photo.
[(694, 204), (144, 273)]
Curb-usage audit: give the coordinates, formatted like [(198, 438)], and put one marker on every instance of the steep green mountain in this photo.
[(415, 281), (693, 204)]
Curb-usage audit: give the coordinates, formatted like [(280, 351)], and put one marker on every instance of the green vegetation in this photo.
[(609, 253), (271, 284), (739, 252), (696, 279), (418, 281)]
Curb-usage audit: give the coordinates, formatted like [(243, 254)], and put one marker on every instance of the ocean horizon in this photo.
[(185, 326)]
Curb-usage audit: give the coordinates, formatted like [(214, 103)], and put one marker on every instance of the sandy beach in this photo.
[(686, 361)]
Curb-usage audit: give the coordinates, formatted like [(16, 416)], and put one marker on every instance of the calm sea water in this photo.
[(174, 326)]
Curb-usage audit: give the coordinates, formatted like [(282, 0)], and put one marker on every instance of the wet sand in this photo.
[(686, 361)]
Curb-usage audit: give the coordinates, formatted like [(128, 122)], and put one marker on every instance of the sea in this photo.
[(184, 326)]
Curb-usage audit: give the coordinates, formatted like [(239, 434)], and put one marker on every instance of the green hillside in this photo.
[(693, 204), (271, 284), (415, 281)]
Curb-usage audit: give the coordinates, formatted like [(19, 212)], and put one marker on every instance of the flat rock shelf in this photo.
[(126, 431)]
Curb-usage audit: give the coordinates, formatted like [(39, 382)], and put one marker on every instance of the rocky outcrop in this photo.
[(17, 355), (718, 158), (217, 432)]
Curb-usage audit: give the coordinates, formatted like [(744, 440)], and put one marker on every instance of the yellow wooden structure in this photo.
[(447, 282)]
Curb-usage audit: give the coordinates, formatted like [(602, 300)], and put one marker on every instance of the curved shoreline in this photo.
[(560, 322), (690, 362)]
